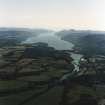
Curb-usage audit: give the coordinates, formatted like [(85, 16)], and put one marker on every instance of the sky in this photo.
[(53, 14)]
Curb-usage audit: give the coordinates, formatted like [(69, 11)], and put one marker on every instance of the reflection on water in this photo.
[(52, 40), (76, 58)]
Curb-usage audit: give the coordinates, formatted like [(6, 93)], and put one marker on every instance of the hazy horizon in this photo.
[(55, 14)]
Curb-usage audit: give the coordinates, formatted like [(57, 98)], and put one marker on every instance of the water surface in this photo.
[(52, 39)]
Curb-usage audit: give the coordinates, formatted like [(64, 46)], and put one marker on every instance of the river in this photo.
[(55, 41), (52, 39), (76, 58)]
